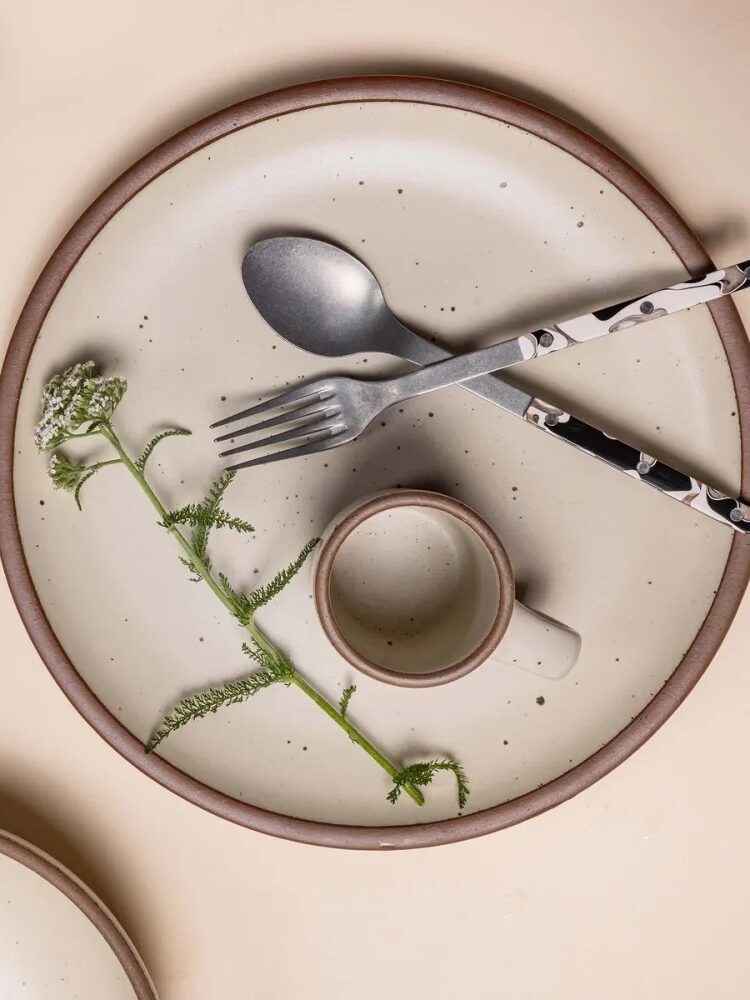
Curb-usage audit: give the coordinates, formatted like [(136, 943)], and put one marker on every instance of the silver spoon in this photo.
[(326, 301)]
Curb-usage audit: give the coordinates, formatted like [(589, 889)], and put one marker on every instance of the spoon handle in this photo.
[(596, 443), (626, 458), (638, 465)]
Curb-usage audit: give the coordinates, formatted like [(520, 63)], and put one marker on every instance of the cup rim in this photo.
[(390, 500)]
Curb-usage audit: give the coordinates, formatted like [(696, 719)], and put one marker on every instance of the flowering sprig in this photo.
[(80, 404), (64, 474), (69, 477), (73, 399)]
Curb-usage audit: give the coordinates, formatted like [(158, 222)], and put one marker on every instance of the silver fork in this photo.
[(332, 411)]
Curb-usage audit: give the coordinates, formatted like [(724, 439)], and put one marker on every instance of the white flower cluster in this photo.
[(74, 398)]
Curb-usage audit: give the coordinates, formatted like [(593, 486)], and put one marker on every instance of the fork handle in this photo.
[(637, 464), (572, 332), (410, 346)]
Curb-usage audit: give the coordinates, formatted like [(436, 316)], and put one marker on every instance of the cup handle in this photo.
[(538, 644)]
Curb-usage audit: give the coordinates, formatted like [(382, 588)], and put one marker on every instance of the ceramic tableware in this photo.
[(415, 589), (457, 187), (56, 938)]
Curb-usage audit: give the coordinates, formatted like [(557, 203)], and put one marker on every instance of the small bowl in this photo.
[(413, 588)]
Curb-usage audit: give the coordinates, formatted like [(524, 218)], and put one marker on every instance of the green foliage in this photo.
[(202, 703), (260, 597), (65, 475), (210, 505), (238, 600), (196, 515), (244, 606), (421, 774), (80, 404), (79, 485), (346, 697), (140, 463), (69, 477), (195, 577), (204, 516), (265, 657)]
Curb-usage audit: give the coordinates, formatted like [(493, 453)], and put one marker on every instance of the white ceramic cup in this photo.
[(414, 588)]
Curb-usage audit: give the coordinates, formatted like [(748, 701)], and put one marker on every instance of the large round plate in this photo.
[(56, 938), (481, 216)]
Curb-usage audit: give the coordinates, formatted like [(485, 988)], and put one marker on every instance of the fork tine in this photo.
[(301, 394), (312, 427), (321, 444), (318, 407)]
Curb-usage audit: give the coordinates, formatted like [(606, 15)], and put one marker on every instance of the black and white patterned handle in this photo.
[(569, 333), (637, 464), (633, 312)]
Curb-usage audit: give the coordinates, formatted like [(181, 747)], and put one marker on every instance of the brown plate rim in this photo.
[(82, 897), (411, 89)]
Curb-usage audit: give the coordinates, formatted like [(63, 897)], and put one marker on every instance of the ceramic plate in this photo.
[(56, 938), (481, 216)]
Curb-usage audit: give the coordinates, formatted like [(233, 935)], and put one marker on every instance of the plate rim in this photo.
[(358, 90), (87, 902)]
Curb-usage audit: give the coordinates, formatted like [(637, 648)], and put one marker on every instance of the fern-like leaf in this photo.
[(204, 516), (195, 577), (260, 597), (346, 697), (181, 515), (196, 515), (146, 453), (240, 608), (222, 519), (422, 774), (269, 658), (210, 505), (255, 651), (203, 703), (77, 492)]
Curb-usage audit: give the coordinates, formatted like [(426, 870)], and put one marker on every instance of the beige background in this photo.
[(639, 887)]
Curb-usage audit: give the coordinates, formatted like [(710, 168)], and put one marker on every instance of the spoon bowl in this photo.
[(324, 300), (319, 297)]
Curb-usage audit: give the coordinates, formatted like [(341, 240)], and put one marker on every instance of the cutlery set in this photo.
[(326, 301)]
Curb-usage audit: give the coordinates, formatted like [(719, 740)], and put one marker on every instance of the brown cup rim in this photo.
[(391, 500), (468, 99)]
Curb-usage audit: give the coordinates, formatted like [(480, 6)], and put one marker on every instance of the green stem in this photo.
[(354, 734), (101, 465), (203, 571), (201, 568)]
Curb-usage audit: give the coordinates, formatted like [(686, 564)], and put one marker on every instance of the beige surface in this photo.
[(637, 888)]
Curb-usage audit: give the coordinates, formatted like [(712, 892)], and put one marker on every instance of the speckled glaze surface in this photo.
[(439, 202), (56, 938)]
